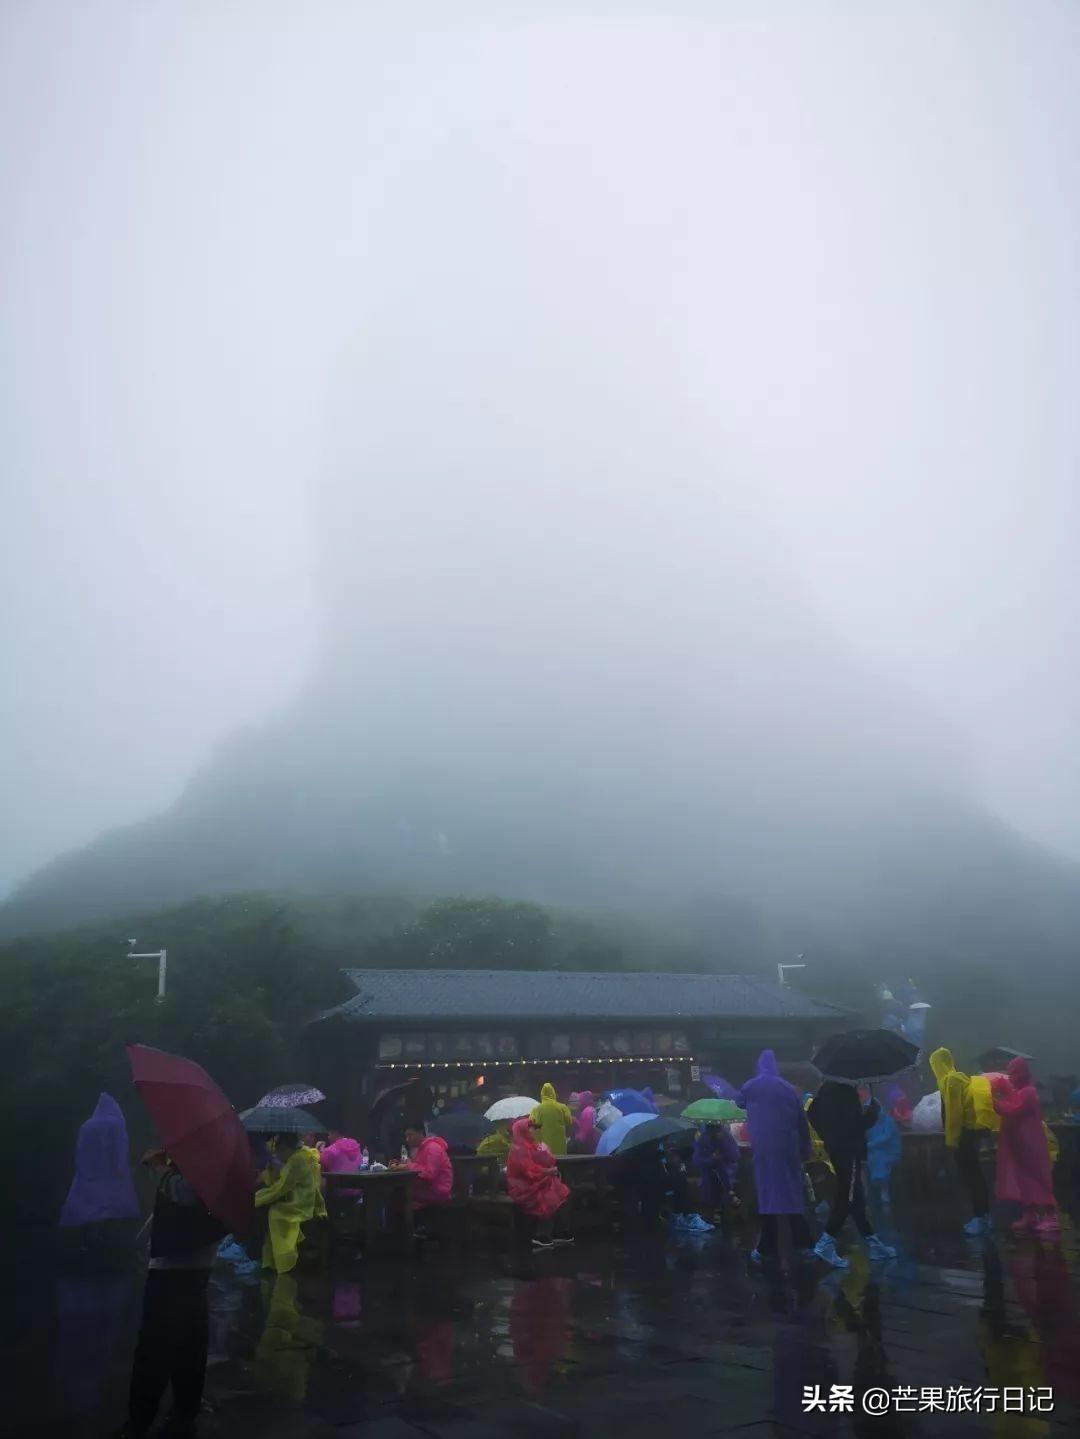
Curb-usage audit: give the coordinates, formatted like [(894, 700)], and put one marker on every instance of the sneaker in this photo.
[(979, 1225), (877, 1249), (1048, 1228), (543, 1244), (825, 1249), (756, 1257), (699, 1225)]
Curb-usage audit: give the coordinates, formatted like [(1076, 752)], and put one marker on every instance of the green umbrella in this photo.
[(713, 1111)]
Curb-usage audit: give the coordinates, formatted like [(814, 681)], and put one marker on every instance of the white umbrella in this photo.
[(516, 1107)]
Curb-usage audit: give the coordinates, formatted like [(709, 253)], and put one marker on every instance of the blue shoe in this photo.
[(977, 1226), (756, 1257), (825, 1249), (697, 1225), (877, 1250)]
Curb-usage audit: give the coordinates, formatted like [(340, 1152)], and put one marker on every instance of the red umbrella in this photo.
[(200, 1130)]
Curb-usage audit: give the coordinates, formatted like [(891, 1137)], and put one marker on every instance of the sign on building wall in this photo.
[(478, 1045)]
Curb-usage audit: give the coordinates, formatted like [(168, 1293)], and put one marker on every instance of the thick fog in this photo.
[(704, 378)]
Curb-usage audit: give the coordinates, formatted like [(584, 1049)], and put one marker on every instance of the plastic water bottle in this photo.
[(365, 1158), (404, 1154)]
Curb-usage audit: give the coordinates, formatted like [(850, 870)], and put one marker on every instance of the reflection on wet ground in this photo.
[(624, 1337)]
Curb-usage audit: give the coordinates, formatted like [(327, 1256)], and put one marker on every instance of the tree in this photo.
[(462, 933)]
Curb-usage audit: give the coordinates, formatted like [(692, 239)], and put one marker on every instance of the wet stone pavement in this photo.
[(639, 1335)]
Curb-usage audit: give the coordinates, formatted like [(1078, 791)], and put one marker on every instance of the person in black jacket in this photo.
[(174, 1335), (841, 1121)]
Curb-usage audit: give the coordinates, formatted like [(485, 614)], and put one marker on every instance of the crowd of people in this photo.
[(838, 1139)]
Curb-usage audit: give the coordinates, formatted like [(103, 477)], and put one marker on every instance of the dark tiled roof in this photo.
[(409, 995)]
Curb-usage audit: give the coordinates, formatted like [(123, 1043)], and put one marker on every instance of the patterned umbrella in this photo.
[(290, 1096)]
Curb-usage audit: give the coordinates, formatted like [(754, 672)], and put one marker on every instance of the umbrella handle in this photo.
[(143, 1230)]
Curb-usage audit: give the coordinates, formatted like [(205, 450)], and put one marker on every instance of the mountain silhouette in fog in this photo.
[(592, 684)]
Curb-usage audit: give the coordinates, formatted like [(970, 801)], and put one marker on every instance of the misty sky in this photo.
[(847, 241)]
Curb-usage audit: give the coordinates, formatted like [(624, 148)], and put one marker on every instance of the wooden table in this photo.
[(378, 1207)]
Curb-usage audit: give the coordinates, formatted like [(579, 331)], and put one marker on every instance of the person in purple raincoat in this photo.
[(102, 1187), (779, 1144), (716, 1160)]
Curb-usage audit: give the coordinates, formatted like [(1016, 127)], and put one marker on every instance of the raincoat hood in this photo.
[(102, 1187), (431, 1140), (547, 1094), (1019, 1072), (107, 1108), (522, 1129), (942, 1063), (348, 1149), (767, 1063)]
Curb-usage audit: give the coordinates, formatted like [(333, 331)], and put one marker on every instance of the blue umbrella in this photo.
[(632, 1101)]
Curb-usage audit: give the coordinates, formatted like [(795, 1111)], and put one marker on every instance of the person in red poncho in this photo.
[(1023, 1160), (532, 1180)]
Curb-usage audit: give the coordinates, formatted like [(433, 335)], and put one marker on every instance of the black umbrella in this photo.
[(461, 1128), (995, 1061), (866, 1054), (414, 1097), (267, 1119)]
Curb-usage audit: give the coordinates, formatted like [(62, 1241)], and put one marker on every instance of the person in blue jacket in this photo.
[(882, 1154)]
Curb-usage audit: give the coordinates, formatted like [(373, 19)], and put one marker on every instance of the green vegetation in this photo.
[(245, 975)]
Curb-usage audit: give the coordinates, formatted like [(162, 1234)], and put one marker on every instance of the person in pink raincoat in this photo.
[(533, 1183), (342, 1155), (1023, 1160), (430, 1163), (586, 1134)]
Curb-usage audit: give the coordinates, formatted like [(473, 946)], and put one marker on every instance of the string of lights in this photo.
[(547, 1063)]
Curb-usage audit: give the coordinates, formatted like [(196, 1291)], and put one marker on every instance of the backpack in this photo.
[(982, 1101)]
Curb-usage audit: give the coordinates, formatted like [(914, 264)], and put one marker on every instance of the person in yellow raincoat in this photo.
[(288, 1344), (313, 1159), (291, 1199), (819, 1160), (553, 1119), (497, 1143), (960, 1123)]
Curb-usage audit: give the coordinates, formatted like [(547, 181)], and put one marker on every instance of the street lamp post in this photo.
[(782, 969), (160, 956)]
